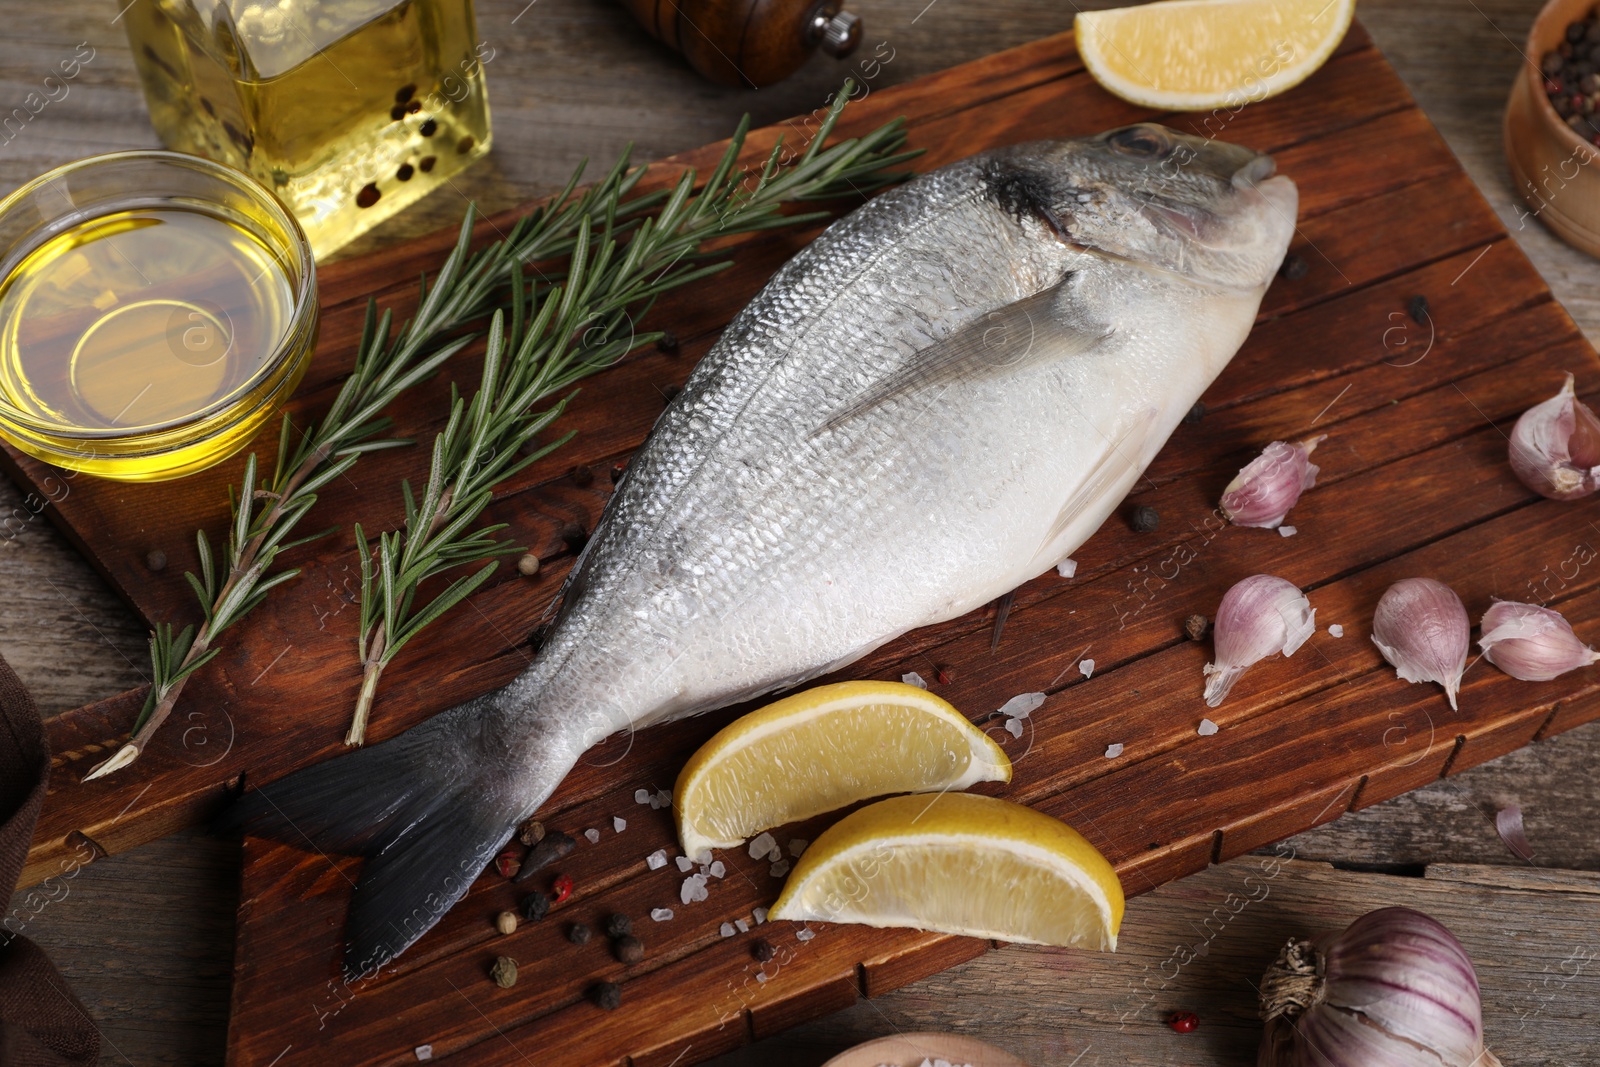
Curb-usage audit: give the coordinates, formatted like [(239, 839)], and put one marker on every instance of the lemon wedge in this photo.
[(822, 749), (1195, 55), (958, 863)]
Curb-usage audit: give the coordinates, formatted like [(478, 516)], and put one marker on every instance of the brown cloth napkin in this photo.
[(41, 1023)]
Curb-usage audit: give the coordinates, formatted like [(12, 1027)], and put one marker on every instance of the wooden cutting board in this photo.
[(1414, 482)]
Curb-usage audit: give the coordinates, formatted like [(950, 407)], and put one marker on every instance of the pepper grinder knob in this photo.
[(838, 33)]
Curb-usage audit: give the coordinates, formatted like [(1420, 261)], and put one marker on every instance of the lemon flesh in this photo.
[(958, 864), (823, 749), (1196, 55)]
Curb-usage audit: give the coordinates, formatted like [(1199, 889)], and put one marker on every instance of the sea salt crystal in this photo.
[(1067, 568), (656, 860), (797, 847), (761, 976), (742, 926), (703, 857), (1020, 707), (913, 678), (684, 863), (1207, 728), (1086, 667), (664, 797), (1014, 727), (762, 846), (593, 836), (641, 796), (1287, 531), (423, 1052), (759, 915), (780, 868), (1113, 751), (717, 869), (618, 823), (805, 933), (726, 929), (1336, 630), (694, 888), (660, 915)]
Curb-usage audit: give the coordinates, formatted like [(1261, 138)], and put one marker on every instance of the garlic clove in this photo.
[(1555, 447), (1259, 617), (1422, 629), (1531, 643), (1262, 493)]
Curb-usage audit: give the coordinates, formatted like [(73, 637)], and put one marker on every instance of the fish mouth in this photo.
[(1254, 172)]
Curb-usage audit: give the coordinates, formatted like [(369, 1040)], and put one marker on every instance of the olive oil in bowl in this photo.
[(146, 335)]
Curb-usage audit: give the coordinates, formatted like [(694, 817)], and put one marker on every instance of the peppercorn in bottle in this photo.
[(348, 110)]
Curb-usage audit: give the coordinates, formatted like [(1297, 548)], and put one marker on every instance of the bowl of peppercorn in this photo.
[(1552, 123)]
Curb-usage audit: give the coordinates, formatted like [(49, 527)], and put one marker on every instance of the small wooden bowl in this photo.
[(911, 1049), (1556, 172)]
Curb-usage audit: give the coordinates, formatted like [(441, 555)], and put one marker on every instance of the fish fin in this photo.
[(427, 821), (1114, 463), (1006, 339)]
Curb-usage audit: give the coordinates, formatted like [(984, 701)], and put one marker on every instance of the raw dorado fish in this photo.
[(941, 397)]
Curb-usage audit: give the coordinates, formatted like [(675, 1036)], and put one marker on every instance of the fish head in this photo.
[(1213, 212)]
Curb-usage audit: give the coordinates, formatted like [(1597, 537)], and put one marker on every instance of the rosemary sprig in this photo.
[(558, 334), (467, 287)]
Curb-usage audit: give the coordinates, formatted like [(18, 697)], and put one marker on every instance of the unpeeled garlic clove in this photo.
[(1262, 493), (1531, 643), (1259, 617), (1555, 447), (1422, 630)]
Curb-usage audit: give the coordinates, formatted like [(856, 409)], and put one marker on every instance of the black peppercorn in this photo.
[(1550, 64), (607, 995), (763, 950), (667, 343), (1418, 310), (578, 934), (617, 471), (1195, 414), (1145, 518), (573, 536), (618, 925), (669, 393), (582, 477), (550, 848), (1294, 267), (535, 906), (628, 949), (156, 560)]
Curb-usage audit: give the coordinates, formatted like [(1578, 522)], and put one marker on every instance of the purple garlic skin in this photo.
[(1531, 643), (1395, 989), (1259, 617), (1262, 493), (1422, 629), (1555, 447)]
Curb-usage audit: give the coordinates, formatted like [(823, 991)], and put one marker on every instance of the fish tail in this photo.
[(429, 809)]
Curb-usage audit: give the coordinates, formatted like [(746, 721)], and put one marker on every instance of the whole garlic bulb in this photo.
[(1555, 447), (1395, 989)]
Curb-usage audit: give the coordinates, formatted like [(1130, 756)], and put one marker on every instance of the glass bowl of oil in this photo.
[(156, 309)]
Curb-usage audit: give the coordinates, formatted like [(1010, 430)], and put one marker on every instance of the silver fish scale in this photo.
[(724, 506)]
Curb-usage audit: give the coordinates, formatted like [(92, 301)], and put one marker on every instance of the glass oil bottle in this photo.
[(348, 110)]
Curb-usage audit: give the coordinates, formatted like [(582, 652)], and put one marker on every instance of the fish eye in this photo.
[(1145, 142)]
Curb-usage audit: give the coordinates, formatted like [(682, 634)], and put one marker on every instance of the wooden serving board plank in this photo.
[(1414, 481)]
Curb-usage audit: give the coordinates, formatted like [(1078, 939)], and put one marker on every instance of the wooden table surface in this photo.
[(147, 937)]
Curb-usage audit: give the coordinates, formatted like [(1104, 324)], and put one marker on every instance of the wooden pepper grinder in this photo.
[(749, 42)]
